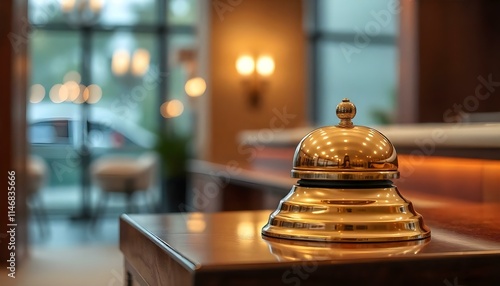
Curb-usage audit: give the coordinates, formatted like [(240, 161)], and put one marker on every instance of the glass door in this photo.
[(100, 71)]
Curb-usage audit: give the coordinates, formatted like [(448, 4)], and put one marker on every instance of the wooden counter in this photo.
[(227, 249)]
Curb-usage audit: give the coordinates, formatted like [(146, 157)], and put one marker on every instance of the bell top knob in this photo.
[(346, 111)]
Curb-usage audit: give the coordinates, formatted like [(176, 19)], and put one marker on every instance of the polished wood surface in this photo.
[(227, 248), (282, 102)]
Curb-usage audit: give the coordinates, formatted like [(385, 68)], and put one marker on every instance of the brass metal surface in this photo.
[(344, 193), (345, 214), (296, 250), (345, 152)]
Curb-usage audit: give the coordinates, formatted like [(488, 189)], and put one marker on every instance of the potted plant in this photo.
[(173, 150)]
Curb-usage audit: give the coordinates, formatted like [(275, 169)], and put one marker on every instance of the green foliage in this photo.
[(174, 153)]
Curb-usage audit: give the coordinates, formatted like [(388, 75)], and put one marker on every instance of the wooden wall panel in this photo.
[(257, 26), (458, 43)]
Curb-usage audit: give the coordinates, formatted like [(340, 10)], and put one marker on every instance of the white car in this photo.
[(55, 133), (61, 124)]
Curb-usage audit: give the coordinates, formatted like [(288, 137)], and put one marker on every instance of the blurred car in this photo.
[(56, 134)]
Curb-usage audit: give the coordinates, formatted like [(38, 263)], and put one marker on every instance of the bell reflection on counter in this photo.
[(295, 250), (345, 192)]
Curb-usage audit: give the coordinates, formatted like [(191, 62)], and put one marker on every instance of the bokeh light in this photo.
[(245, 65), (140, 62), (96, 5), (92, 94), (58, 93), (265, 65), (73, 90), (172, 108), (120, 62), (67, 5), (195, 87), (79, 99), (72, 76), (37, 93)]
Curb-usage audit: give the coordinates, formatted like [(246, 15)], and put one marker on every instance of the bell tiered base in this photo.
[(300, 250), (378, 214)]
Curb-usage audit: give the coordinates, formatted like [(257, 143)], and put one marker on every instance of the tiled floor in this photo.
[(69, 266), (68, 252), (71, 253), (65, 232)]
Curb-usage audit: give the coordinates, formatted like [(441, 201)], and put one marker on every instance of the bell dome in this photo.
[(345, 152)]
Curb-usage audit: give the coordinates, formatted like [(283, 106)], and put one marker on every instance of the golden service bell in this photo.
[(344, 192)]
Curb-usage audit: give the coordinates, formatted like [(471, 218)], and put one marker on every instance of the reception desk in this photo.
[(217, 243), (227, 249)]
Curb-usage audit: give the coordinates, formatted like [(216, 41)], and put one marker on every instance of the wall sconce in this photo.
[(255, 74)]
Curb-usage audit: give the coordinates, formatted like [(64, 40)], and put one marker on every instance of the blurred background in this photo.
[(108, 77), (113, 100), (100, 72)]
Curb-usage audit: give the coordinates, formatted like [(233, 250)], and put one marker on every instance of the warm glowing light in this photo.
[(79, 99), (63, 93), (37, 93), (140, 62), (120, 62), (171, 108), (265, 65), (58, 93), (245, 65), (73, 90), (96, 5), (92, 94), (195, 87), (195, 223), (67, 5), (245, 230), (72, 76)]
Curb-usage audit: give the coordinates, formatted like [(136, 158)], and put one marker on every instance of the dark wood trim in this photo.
[(161, 267), (13, 75)]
